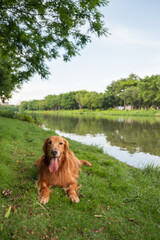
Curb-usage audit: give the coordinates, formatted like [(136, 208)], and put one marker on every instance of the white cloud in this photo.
[(121, 34)]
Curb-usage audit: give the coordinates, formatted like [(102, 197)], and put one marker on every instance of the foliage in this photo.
[(33, 31), (7, 78), (116, 202), (115, 91), (93, 100), (110, 99), (130, 96), (79, 97), (52, 102), (68, 101), (150, 90), (139, 93), (10, 113), (9, 107)]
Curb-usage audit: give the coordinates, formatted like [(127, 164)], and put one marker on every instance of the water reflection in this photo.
[(123, 138)]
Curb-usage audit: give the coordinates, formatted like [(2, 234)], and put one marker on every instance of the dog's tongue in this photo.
[(53, 165)]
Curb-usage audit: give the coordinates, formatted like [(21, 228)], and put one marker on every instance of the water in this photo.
[(135, 141)]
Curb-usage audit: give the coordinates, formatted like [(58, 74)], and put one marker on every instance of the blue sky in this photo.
[(132, 47)]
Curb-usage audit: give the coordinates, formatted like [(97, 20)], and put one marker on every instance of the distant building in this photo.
[(5, 103), (119, 108), (127, 107)]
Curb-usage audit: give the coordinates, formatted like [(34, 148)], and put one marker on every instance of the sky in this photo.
[(133, 46)]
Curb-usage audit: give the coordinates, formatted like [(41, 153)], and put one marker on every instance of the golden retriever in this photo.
[(58, 167)]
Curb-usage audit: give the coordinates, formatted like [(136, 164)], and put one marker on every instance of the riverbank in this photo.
[(116, 201), (147, 113)]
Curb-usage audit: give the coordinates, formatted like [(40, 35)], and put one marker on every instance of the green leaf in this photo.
[(8, 212), (1, 227)]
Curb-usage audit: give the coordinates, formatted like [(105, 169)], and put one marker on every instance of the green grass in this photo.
[(147, 113), (116, 201), (11, 113)]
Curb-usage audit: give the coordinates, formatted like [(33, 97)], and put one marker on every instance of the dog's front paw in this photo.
[(43, 199), (74, 198)]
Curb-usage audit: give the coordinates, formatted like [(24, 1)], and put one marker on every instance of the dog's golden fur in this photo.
[(58, 167)]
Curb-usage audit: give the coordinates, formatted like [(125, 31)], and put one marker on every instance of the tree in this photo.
[(114, 91), (52, 102), (109, 99), (93, 100), (150, 90), (131, 96), (33, 31), (32, 105), (7, 78), (68, 101), (23, 106), (98, 101), (79, 97), (41, 105)]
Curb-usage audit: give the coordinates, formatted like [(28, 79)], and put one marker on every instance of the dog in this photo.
[(58, 167)]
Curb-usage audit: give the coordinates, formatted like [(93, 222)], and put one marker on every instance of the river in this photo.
[(133, 140)]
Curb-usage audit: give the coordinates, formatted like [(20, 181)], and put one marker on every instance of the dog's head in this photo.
[(54, 149)]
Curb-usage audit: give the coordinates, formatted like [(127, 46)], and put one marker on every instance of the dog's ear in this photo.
[(44, 148), (66, 145), (38, 162)]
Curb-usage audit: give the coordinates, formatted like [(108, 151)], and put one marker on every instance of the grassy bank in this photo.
[(116, 201), (147, 113), (9, 113)]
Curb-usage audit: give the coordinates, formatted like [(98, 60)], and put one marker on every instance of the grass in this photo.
[(10, 113), (116, 201), (147, 113)]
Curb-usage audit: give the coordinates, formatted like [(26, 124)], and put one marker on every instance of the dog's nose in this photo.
[(54, 152)]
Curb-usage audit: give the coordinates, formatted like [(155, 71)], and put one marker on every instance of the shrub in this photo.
[(17, 115)]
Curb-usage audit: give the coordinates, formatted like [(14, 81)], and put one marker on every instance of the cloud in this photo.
[(121, 34)]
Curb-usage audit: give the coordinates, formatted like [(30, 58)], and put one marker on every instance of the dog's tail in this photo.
[(86, 163)]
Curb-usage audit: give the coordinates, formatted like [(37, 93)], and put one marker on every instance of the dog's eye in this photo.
[(60, 143), (49, 142)]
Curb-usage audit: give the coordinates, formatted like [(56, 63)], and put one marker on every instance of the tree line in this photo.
[(133, 90)]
